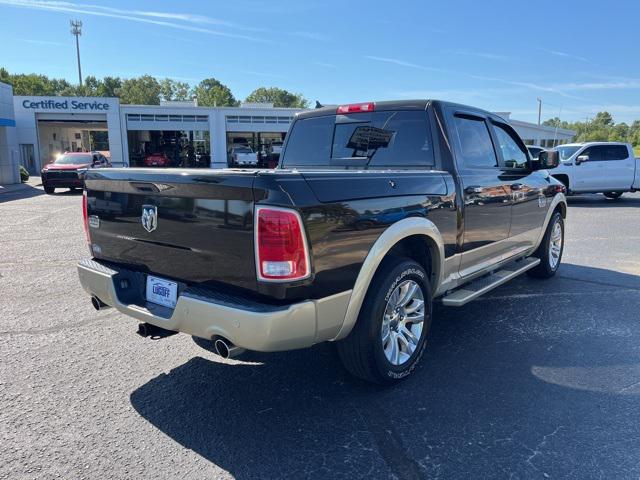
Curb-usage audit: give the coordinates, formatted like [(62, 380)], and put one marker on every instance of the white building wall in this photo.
[(9, 153), (27, 116), (540, 134), (220, 120)]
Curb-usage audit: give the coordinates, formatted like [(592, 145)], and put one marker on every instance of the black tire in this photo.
[(545, 269), (612, 195), (361, 352), (48, 189)]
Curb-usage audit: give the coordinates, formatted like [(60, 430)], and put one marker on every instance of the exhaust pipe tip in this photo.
[(225, 348), (98, 304), (221, 347)]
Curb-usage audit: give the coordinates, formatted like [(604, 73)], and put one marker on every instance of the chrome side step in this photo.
[(482, 285)]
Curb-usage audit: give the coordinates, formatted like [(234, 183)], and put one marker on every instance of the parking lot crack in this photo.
[(389, 443)]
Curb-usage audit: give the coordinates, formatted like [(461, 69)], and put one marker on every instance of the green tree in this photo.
[(277, 96), (5, 76), (210, 92), (32, 84), (110, 87), (173, 90), (603, 119), (144, 90), (619, 132)]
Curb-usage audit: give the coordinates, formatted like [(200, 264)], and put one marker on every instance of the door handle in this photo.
[(473, 189), (517, 186)]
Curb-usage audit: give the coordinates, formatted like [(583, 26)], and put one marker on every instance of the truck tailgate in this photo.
[(203, 231)]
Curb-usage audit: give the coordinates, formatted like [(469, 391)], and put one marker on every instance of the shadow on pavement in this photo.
[(600, 201), (19, 192), (497, 394)]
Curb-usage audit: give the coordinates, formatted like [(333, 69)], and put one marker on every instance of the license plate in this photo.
[(162, 292)]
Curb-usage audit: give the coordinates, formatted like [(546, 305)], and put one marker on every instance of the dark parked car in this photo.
[(375, 211), (68, 170)]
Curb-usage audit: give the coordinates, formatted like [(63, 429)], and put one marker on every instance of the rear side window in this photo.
[(615, 152), (474, 142), (309, 142), (401, 139), (381, 139)]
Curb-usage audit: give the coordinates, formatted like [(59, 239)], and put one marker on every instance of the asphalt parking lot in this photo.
[(538, 379)]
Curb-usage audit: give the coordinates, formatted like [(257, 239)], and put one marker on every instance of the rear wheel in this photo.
[(48, 189), (389, 337), (612, 195), (550, 250)]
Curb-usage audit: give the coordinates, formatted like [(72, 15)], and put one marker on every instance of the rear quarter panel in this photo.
[(345, 213)]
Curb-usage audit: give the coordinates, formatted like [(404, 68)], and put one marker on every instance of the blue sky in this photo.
[(579, 56)]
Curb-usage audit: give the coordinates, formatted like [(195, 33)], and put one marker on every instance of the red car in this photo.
[(67, 171), (157, 160)]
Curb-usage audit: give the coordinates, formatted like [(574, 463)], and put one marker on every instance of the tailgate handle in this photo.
[(145, 187)]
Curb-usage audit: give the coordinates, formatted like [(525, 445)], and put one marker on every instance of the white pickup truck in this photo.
[(609, 168), (242, 156)]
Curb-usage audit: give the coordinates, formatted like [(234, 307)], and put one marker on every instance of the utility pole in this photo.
[(539, 109), (76, 30)]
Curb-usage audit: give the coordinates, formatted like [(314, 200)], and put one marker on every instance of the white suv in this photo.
[(598, 167)]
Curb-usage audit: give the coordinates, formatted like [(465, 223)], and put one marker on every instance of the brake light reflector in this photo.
[(85, 217), (281, 246), (356, 107)]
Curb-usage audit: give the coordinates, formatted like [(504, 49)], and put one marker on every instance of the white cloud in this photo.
[(403, 63), (133, 16), (485, 55), (325, 65), (566, 55), (43, 42), (309, 35)]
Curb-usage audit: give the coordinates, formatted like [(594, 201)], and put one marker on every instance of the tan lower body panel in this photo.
[(294, 326)]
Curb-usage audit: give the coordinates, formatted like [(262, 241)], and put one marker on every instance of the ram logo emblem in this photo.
[(149, 217)]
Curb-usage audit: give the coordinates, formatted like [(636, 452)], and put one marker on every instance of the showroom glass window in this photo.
[(169, 148)]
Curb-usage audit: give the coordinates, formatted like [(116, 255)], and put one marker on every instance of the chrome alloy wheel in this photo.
[(402, 322), (555, 245)]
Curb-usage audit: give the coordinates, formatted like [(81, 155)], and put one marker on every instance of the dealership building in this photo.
[(34, 130)]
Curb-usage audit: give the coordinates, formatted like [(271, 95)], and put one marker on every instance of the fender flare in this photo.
[(385, 242), (559, 199)]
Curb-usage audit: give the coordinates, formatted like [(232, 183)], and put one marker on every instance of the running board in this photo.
[(482, 285)]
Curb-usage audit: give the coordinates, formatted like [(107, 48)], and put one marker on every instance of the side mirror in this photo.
[(582, 159), (548, 159)]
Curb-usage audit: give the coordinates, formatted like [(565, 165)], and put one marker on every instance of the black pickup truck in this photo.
[(376, 211)]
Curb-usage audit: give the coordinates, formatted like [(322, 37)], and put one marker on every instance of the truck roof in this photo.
[(582, 144), (417, 104)]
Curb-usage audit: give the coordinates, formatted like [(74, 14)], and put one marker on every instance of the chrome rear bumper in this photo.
[(205, 313)]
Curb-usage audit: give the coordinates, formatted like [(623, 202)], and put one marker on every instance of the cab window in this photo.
[(513, 154), (474, 142)]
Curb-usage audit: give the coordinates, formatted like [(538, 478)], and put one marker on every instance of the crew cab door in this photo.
[(527, 188), (610, 167), (486, 192)]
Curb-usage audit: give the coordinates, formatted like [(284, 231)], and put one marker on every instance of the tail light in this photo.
[(356, 107), (85, 217), (281, 246)]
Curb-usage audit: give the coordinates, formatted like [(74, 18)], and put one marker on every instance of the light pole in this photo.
[(539, 109), (76, 30)]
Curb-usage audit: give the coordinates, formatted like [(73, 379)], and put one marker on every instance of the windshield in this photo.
[(74, 159), (242, 150), (566, 152)]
